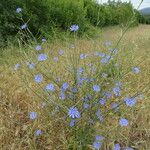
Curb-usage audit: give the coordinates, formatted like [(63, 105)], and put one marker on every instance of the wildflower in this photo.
[(80, 70), (99, 115), (31, 65), (123, 122), (65, 86), (61, 52), (38, 47), (62, 95), (130, 101), (50, 87), (55, 59), (97, 145), (116, 91), (96, 88), (24, 26), (38, 78), (38, 132), (43, 40), (101, 54), (87, 97), (104, 60), (74, 27), (33, 115), (82, 56), (90, 64), (72, 123), (108, 57), (99, 138), (73, 112), (136, 70), (74, 90), (117, 147), (17, 66), (102, 101), (107, 95), (85, 105), (18, 10), (42, 57)]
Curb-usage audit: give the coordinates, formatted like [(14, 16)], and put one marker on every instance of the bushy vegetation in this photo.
[(48, 17), (144, 19)]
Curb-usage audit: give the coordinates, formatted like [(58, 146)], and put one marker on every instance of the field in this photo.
[(20, 95)]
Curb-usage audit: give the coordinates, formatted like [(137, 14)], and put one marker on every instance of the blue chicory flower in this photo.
[(38, 78), (99, 138), (117, 90), (62, 95), (33, 115), (97, 145), (38, 47), (24, 26), (73, 112), (38, 132), (83, 56), (18, 10), (31, 65), (99, 115), (72, 123), (61, 52), (85, 105), (117, 147), (107, 95), (96, 88), (102, 101), (65, 86), (43, 40), (130, 101), (17, 66), (123, 122), (74, 28), (42, 57), (101, 54), (55, 59), (50, 87), (136, 70)]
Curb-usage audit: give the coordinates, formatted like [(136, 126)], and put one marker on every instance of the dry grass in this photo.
[(17, 131)]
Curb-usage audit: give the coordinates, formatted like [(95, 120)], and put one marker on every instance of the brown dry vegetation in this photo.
[(17, 131)]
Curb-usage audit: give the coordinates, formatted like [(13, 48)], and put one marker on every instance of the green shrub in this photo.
[(47, 16)]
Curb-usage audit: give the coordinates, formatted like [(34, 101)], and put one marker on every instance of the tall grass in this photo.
[(76, 94), (21, 95)]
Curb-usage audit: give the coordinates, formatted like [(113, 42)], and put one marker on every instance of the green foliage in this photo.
[(47, 16), (143, 19)]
